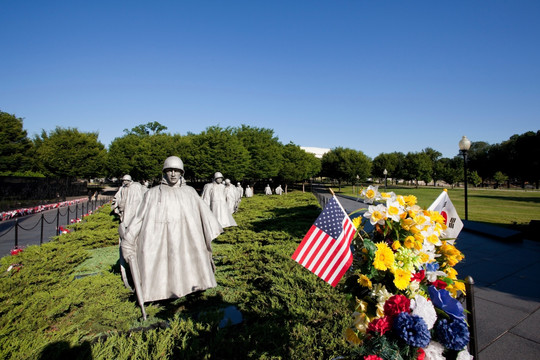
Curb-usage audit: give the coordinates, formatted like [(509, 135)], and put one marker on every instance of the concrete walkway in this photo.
[(506, 272)]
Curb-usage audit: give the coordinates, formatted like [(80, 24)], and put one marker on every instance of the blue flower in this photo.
[(441, 299), (432, 267), (453, 335), (412, 329)]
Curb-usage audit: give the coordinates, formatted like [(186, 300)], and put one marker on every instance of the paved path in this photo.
[(506, 292), (29, 232)]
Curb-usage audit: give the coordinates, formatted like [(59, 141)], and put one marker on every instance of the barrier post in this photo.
[(16, 233), (76, 211), (67, 216), (57, 221), (473, 342), (41, 235)]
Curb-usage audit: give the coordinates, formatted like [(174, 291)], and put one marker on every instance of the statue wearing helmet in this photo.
[(214, 195), (125, 204), (169, 240)]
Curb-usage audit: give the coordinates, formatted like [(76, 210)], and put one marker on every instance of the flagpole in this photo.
[(331, 191)]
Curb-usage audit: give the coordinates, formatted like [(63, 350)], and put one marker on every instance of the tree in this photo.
[(218, 149), (68, 153), (297, 165), (142, 155), (345, 164), (433, 156), (14, 144), (499, 178), (151, 128), (474, 178), (265, 151), (418, 167), (451, 170), (383, 161)]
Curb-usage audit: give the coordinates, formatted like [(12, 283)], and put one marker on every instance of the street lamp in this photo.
[(385, 172), (464, 146)]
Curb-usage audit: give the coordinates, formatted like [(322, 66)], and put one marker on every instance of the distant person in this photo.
[(214, 195)]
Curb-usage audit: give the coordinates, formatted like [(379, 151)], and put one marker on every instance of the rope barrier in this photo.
[(8, 230), (32, 228)]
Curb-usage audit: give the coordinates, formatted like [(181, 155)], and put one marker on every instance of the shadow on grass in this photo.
[(63, 350), (295, 220), (531, 199), (254, 337)]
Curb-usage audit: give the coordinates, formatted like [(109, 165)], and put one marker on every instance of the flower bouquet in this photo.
[(404, 284)]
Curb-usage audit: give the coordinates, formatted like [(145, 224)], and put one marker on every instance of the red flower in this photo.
[(380, 325), (396, 304), (419, 276), (439, 284), (421, 354), (372, 357)]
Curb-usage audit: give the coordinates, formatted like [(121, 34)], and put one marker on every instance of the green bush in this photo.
[(68, 299)]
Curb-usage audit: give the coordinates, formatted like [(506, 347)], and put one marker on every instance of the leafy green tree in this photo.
[(14, 145), (418, 167), (451, 170), (66, 152), (474, 178), (141, 154), (298, 165), (388, 161), (151, 128), (499, 178), (265, 151), (345, 164), (218, 149)]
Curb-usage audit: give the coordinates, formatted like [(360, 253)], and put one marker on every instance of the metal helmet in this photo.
[(173, 162), (218, 175), (127, 177), (227, 181)]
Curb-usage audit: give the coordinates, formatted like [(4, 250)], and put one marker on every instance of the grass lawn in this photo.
[(511, 208)]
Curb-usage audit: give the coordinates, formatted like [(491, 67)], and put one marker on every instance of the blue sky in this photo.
[(375, 76)]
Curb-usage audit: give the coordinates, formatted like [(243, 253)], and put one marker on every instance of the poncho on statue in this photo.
[(214, 195), (170, 239)]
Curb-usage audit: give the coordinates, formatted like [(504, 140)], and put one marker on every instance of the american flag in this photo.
[(326, 248)]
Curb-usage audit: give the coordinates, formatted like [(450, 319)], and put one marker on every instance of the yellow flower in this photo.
[(455, 287), (364, 281), (433, 238), (351, 337), (384, 257), (402, 278), (357, 221), (450, 253), (424, 258), (410, 200), (419, 237), (409, 242), (407, 223), (396, 245), (361, 306), (451, 272), (401, 200)]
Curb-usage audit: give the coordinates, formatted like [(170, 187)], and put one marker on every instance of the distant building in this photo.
[(318, 152)]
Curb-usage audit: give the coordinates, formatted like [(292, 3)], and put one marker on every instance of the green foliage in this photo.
[(220, 150), (346, 164), (288, 313), (14, 144), (66, 152), (298, 165), (265, 151)]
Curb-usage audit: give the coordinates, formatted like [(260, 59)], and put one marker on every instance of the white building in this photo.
[(317, 151)]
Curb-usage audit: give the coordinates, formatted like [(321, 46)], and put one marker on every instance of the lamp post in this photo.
[(464, 146), (385, 172)]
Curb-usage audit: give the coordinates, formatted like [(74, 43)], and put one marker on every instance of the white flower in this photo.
[(422, 307), (371, 194), (434, 351), (394, 210), (376, 214), (464, 355), (380, 293)]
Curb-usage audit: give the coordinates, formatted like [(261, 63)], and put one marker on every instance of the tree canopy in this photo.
[(14, 144)]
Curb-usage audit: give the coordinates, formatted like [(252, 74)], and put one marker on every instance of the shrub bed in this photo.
[(67, 298)]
